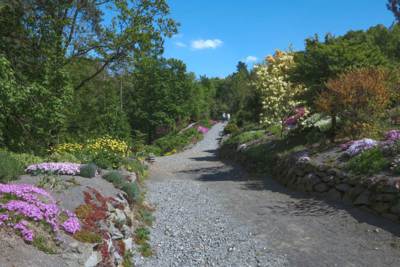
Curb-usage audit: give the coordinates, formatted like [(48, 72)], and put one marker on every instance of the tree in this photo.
[(278, 94), (359, 97), (326, 60), (67, 30), (394, 6)]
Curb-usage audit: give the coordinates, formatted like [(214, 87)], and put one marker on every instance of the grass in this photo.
[(87, 236), (10, 167), (142, 234), (369, 162), (145, 250), (245, 137)]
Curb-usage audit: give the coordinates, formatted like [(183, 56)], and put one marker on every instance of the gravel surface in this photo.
[(210, 213)]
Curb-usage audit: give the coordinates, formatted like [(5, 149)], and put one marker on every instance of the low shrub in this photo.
[(87, 236), (10, 167), (142, 234), (105, 152), (88, 170), (115, 178), (134, 165), (368, 162), (231, 128), (132, 190), (177, 141), (245, 137), (63, 157)]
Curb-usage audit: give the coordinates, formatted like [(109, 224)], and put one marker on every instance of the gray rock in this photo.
[(327, 178), (93, 260), (380, 207), (115, 233), (343, 187), (395, 209), (333, 194), (128, 243), (320, 188), (119, 216), (384, 197), (391, 216), (362, 199)]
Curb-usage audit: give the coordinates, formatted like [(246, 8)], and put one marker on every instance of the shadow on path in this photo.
[(297, 203)]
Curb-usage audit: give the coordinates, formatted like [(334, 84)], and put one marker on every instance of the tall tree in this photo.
[(68, 30)]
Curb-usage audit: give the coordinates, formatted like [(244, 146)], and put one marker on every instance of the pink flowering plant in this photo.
[(356, 147), (392, 135), (30, 210), (61, 168), (202, 129)]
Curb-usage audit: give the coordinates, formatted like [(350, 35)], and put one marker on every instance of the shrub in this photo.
[(369, 162), (231, 128), (142, 235), (10, 168), (359, 97), (63, 157), (134, 165), (115, 178), (177, 141), (132, 190), (245, 137), (106, 152), (87, 236), (88, 170)]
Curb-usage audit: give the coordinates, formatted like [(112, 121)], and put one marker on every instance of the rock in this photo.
[(120, 216), (128, 243), (115, 233), (320, 188), (299, 171), (93, 260), (74, 246), (389, 189), (127, 231), (380, 207), (333, 194), (395, 209), (362, 199), (391, 216), (384, 197), (327, 178), (110, 207), (343, 187), (118, 258)]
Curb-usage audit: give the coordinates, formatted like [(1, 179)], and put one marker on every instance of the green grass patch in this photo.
[(369, 162), (245, 137)]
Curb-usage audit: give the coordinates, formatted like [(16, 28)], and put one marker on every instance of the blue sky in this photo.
[(216, 34)]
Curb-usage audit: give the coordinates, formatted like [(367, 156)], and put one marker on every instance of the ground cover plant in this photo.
[(34, 214)]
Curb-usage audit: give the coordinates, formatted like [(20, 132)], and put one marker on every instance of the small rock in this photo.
[(128, 243), (120, 216), (320, 188), (110, 207), (93, 260), (343, 187), (115, 233), (362, 199), (333, 194)]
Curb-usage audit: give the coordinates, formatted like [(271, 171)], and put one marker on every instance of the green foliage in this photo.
[(231, 128), (115, 178), (145, 250), (10, 168), (142, 234), (369, 162), (177, 141), (132, 191), (87, 236), (63, 157), (26, 159), (146, 216), (134, 165), (88, 170), (42, 244), (245, 137), (127, 262)]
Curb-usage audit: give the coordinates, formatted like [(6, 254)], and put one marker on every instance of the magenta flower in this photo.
[(36, 205), (392, 135), (202, 129)]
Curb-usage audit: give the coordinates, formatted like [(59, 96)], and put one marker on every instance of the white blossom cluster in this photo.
[(278, 93)]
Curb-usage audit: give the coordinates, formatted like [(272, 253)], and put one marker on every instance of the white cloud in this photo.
[(251, 59), (180, 44), (206, 44)]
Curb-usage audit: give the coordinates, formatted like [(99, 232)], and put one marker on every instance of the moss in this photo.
[(83, 211), (87, 236), (42, 244)]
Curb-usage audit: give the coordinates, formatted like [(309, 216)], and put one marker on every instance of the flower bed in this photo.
[(61, 168), (28, 209)]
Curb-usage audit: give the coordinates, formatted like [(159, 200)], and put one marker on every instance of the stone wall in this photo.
[(379, 194)]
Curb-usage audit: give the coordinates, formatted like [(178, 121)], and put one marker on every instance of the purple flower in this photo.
[(55, 167), (392, 135), (35, 204), (202, 129), (360, 145)]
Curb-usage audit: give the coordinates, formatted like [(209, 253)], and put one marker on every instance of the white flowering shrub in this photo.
[(279, 95)]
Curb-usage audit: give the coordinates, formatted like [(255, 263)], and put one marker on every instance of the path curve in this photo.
[(210, 213)]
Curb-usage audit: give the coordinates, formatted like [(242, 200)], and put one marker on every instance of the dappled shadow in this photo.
[(299, 204)]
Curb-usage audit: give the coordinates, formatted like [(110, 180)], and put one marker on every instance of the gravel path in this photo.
[(212, 214)]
